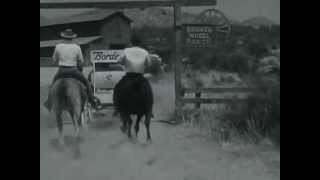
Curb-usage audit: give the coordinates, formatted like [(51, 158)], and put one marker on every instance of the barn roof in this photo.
[(120, 3), (80, 41), (88, 16), (151, 17), (107, 1)]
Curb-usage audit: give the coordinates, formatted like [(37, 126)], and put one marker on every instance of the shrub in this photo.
[(254, 119), (259, 116), (257, 48)]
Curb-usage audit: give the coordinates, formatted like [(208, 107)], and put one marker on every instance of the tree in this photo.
[(257, 49)]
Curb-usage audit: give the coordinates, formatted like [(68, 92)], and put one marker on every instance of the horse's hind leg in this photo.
[(60, 129), (76, 118), (85, 119), (124, 120), (129, 120), (126, 123), (147, 124), (136, 127)]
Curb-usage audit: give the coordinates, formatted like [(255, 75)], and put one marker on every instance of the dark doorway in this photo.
[(117, 46)]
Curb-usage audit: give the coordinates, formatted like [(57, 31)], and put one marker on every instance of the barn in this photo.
[(106, 30)]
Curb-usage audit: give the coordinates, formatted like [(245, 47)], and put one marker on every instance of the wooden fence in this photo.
[(197, 100)]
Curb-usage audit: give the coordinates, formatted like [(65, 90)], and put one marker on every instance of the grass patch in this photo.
[(253, 120)]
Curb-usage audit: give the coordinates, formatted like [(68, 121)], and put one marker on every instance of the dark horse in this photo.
[(133, 96), (69, 95)]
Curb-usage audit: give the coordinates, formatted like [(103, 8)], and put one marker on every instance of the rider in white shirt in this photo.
[(69, 57), (68, 54), (136, 60)]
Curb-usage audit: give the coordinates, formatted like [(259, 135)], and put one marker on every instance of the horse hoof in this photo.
[(123, 129), (115, 114), (79, 140), (60, 148), (77, 155)]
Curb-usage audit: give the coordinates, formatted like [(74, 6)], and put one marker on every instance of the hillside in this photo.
[(258, 21)]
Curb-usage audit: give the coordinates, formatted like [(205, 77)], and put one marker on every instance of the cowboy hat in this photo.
[(68, 34)]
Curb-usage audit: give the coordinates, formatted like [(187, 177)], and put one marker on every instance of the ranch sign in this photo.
[(105, 56), (198, 36)]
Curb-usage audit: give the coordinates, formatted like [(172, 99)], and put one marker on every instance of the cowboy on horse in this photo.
[(70, 59)]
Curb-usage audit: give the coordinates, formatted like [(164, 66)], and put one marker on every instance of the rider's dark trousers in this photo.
[(73, 72)]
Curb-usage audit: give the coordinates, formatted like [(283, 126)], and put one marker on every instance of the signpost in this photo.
[(198, 36)]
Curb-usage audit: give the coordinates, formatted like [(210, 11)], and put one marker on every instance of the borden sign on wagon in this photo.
[(105, 56), (106, 73)]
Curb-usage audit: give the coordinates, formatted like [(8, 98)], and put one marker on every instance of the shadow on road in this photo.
[(102, 125)]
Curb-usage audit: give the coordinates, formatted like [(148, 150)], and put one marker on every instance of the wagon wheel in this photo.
[(217, 18)]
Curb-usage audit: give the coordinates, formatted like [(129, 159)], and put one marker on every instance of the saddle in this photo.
[(70, 73)]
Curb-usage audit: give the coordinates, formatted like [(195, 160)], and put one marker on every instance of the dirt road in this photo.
[(175, 154)]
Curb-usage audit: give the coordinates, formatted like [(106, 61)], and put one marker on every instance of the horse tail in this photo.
[(61, 95), (59, 100)]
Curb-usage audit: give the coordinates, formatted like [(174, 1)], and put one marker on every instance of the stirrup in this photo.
[(47, 105), (96, 103), (115, 113)]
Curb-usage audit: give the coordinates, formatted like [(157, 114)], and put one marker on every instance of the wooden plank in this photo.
[(124, 4), (197, 2), (212, 100), (220, 90), (198, 96), (177, 57)]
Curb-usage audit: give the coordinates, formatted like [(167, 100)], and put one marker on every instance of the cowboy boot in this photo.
[(115, 112), (47, 104), (94, 101)]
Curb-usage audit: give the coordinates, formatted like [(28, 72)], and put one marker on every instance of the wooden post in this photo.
[(177, 56), (198, 96)]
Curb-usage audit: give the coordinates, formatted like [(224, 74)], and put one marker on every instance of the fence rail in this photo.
[(221, 89), (197, 100), (212, 100)]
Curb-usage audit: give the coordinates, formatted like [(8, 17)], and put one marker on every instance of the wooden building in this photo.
[(107, 30)]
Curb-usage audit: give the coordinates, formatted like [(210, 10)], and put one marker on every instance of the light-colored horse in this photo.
[(69, 95)]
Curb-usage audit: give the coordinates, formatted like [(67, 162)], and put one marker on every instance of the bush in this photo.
[(258, 117), (239, 62), (254, 119), (257, 48)]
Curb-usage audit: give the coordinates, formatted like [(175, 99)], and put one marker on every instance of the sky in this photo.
[(235, 9)]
